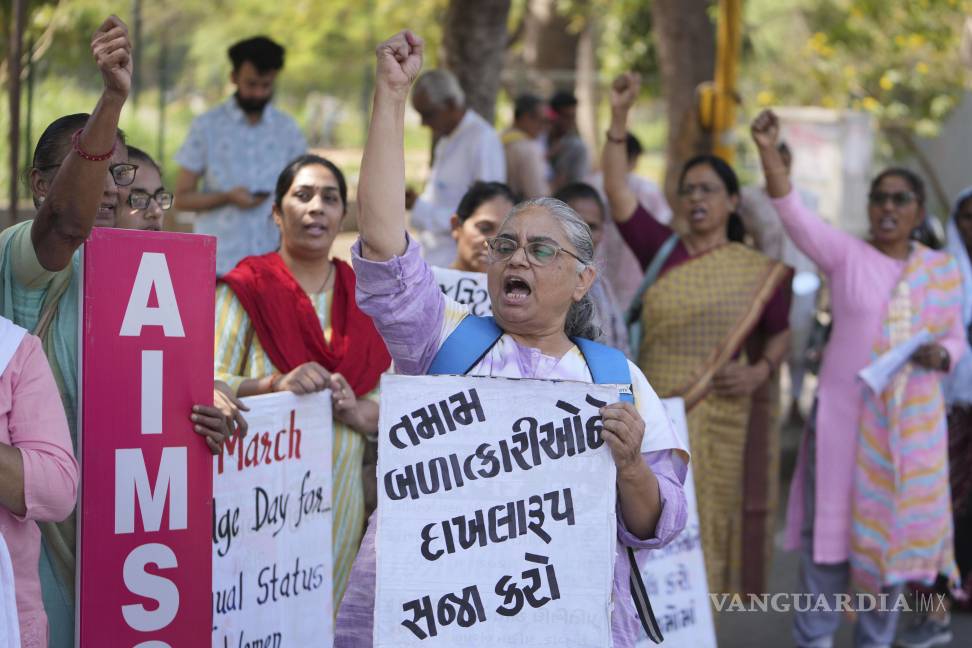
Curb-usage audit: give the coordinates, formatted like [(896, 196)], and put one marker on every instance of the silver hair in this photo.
[(440, 87), (581, 316)]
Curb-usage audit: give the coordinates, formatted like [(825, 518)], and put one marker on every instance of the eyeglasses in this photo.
[(123, 172), (139, 199), (898, 198), (539, 253), (706, 190)]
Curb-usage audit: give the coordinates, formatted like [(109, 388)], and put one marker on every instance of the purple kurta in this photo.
[(414, 318)]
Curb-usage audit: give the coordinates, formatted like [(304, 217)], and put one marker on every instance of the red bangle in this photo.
[(84, 155)]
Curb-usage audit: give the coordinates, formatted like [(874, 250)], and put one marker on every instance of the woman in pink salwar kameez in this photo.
[(869, 505)]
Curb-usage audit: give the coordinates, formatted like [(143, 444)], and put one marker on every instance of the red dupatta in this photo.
[(289, 330)]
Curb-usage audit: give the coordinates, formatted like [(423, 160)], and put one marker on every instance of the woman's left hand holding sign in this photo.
[(623, 432)]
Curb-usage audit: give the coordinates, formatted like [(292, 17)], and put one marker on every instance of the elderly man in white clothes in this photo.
[(468, 149)]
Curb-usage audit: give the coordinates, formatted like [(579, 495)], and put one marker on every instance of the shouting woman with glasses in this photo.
[(539, 270), (714, 318), (143, 203), (869, 507)]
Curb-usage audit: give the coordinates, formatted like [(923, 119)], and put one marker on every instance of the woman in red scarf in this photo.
[(287, 321)]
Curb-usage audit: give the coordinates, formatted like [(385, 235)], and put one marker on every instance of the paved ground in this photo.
[(773, 629)]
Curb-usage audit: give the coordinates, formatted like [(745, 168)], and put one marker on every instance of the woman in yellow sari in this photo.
[(288, 321), (714, 331)]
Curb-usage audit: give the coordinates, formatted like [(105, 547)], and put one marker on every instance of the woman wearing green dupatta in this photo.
[(79, 163), (714, 331)]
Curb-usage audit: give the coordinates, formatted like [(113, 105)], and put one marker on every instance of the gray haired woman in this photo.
[(539, 272)]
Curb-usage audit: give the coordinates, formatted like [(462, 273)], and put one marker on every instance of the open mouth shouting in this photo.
[(315, 229), (887, 224), (106, 214), (516, 290), (698, 213)]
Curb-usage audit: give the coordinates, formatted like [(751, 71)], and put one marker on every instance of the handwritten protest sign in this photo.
[(146, 356), (675, 575), (466, 288), (272, 526), (496, 513)]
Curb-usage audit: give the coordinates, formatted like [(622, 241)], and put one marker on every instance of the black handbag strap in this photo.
[(640, 596)]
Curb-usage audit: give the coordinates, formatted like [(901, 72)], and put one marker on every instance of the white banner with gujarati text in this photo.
[(496, 513), (466, 288), (675, 574)]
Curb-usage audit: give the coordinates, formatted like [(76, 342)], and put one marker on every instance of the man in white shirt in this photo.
[(468, 149), (526, 168), (238, 149)]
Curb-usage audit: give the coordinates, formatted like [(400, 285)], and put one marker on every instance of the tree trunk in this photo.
[(685, 38), (547, 59), (586, 88), (16, 43), (549, 45), (474, 45)]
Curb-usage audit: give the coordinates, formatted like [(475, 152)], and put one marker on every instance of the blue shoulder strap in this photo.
[(466, 346), (608, 366), (475, 336)]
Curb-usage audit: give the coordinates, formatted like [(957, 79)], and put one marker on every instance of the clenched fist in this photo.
[(112, 50), (765, 129), (399, 62), (624, 91)]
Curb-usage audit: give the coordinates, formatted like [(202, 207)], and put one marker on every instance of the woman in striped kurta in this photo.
[(287, 321), (869, 504)]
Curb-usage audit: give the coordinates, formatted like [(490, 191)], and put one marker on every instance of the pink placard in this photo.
[(145, 549)]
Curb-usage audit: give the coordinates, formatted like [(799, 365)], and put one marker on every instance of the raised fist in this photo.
[(399, 62), (624, 91), (765, 129), (112, 51)]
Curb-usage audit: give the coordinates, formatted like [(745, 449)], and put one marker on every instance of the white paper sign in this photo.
[(879, 373), (675, 574), (496, 513), (465, 288), (272, 526)]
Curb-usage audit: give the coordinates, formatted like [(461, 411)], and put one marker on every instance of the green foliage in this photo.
[(627, 42), (899, 61)]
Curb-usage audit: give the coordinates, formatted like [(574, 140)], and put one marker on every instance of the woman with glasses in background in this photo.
[(714, 330), (143, 203), (869, 505)]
